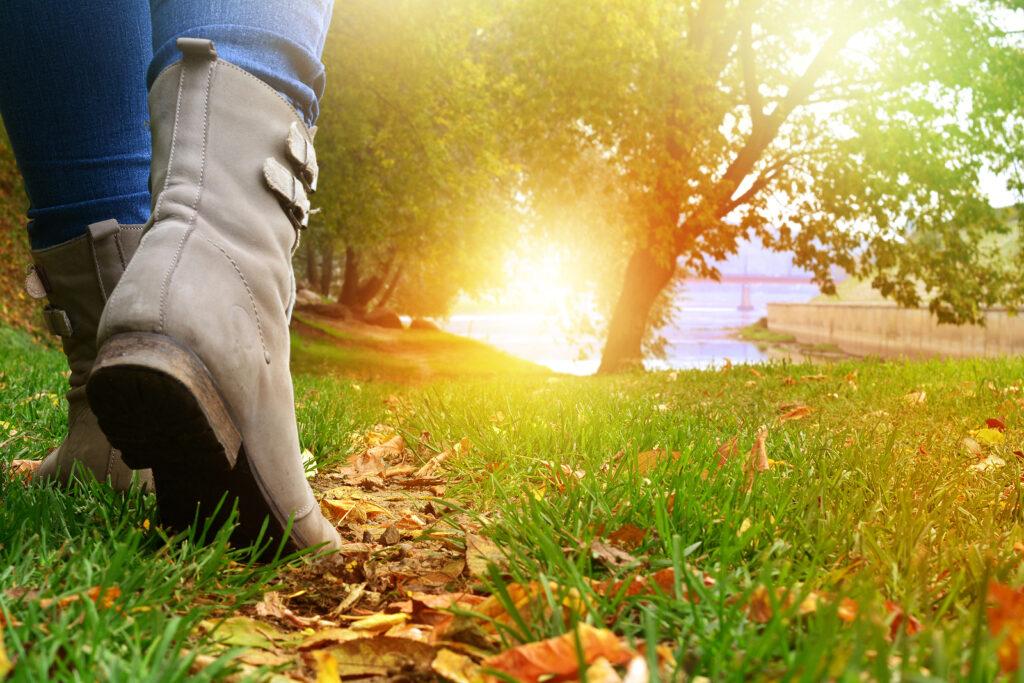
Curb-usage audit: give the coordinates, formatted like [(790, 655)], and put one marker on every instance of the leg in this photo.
[(75, 112), (278, 42), (192, 378)]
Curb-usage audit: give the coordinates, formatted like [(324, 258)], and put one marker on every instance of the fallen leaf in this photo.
[(995, 423), (610, 556), (744, 527), (480, 552), (972, 446), (246, 632), (5, 662), (1006, 620), (728, 450), (379, 622), (898, 616), (433, 464), (648, 460), (796, 413), (628, 536), (989, 437), (848, 609), (758, 458), (326, 668), (602, 671), (378, 656), (992, 462), (350, 510), (560, 656), (456, 667)]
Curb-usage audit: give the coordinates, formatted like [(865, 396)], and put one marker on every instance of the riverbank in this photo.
[(885, 330)]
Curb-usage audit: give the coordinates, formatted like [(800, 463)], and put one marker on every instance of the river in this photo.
[(700, 337)]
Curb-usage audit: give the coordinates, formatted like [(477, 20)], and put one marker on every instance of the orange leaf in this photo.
[(628, 536), (648, 460), (913, 624), (728, 450), (1006, 616), (758, 459), (560, 656), (848, 609), (796, 413)]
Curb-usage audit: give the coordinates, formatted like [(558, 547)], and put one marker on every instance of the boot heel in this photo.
[(158, 405)]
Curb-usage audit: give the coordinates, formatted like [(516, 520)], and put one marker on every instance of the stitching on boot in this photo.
[(199, 191), (174, 141), (303, 511), (252, 297), (99, 272)]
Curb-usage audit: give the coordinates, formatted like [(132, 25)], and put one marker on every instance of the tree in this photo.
[(412, 184), (850, 132)]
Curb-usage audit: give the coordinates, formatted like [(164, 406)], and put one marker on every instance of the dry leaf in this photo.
[(848, 609), (757, 461), (1006, 620), (648, 460), (992, 462), (995, 423), (455, 667), (5, 662), (560, 656), (379, 622), (602, 671), (628, 536), (378, 656), (610, 556), (480, 552), (898, 616), (728, 450), (433, 464), (796, 413)]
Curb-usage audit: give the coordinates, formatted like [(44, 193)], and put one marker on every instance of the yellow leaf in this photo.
[(989, 437), (744, 526), (457, 668), (5, 663), (326, 667), (379, 622)]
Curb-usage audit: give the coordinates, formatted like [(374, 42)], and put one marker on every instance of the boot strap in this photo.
[(303, 156), (57, 322), (290, 190)]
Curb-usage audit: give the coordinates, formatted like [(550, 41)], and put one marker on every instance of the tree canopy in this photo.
[(653, 136), (850, 133), (412, 172)]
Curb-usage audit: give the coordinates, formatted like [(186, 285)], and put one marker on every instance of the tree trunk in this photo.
[(646, 276), (390, 290), (350, 284), (311, 276), (326, 269)]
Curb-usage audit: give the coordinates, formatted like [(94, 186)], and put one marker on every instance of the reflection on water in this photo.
[(699, 338)]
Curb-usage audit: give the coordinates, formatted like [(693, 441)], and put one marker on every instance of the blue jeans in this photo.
[(73, 84)]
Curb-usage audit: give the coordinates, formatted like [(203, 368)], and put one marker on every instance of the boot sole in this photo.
[(157, 403)]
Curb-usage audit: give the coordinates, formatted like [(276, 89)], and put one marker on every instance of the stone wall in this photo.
[(885, 330)]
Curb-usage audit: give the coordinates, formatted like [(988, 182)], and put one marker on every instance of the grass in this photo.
[(323, 346), (871, 498), (759, 334)]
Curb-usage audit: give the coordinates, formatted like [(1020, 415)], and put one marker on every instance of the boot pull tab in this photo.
[(197, 48)]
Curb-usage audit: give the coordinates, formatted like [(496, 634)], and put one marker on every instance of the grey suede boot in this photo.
[(192, 377), (76, 277)]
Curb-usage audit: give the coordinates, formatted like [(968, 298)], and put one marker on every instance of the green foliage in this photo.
[(848, 133), (412, 169)]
